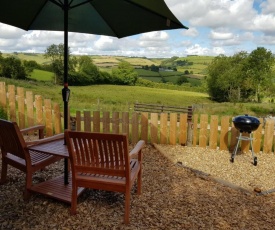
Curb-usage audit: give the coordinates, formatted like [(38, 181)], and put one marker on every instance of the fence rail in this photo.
[(206, 131)]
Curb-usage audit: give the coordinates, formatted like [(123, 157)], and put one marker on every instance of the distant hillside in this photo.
[(195, 65)]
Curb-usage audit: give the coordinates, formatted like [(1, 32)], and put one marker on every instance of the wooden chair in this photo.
[(102, 161), (15, 153)]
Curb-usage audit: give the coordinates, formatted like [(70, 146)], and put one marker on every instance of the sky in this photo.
[(215, 27)]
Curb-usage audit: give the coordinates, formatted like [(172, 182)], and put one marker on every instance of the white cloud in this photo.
[(215, 26)]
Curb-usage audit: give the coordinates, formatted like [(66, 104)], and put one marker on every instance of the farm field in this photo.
[(122, 98)]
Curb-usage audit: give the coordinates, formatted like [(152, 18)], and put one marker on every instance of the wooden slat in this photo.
[(106, 122), (213, 138), (30, 111), (195, 129), (3, 93), (48, 116), (154, 128), (57, 119), (96, 121), (183, 129), (115, 122), (135, 125), (39, 110), (257, 137), (245, 145), (125, 123), (21, 107), (144, 127), (87, 121), (268, 135), (234, 134), (12, 105), (224, 133), (173, 129), (203, 130), (56, 189), (163, 128)]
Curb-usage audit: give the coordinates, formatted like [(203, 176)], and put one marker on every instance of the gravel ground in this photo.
[(174, 197)]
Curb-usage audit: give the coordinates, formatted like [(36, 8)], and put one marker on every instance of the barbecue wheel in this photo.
[(255, 161), (232, 159)]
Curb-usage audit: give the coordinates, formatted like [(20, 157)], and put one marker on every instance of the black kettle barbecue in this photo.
[(245, 124)]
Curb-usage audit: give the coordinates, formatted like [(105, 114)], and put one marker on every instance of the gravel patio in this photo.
[(175, 196)]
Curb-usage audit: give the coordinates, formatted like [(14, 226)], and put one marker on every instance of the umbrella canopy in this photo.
[(117, 18)]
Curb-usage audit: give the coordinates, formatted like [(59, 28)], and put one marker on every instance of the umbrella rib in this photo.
[(79, 4), (56, 3), (155, 13)]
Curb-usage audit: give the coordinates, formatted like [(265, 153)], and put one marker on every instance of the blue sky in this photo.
[(215, 27)]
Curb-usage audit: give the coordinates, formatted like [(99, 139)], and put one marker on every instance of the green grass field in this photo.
[(42, 75)]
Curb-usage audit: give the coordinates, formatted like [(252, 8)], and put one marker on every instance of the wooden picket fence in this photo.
[(206, 131)]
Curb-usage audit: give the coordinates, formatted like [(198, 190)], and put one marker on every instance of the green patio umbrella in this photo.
[(117, 18)]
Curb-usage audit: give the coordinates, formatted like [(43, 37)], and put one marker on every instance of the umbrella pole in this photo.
[(65, 90)]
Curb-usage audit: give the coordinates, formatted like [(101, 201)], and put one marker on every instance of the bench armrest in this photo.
[(40, 129), (45, 140), (137, 149)]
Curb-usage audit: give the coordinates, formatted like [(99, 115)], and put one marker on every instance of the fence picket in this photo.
[(213, 138), (257, 138), (163, 128), (224, 133), (268, 136), (12, 105), (154, 128), (173, 129), (203, 130), (183, 129), (144, 127), (195, 129)]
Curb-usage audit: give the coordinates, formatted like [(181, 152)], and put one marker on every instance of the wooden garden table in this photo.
[(59, 188)]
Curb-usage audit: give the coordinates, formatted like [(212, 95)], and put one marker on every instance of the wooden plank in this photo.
[(106, 122), (173, 129), (96, 121), (30, 110), (56, 189), (115, 122), (257, 137), (48, 117), (39, 110), (144, 127), (57, 119), (135, 125), (203, 130), (21, 107), (224, 133), (87, 121), (12, 105), (154, 128), (245, 145), (183, 129), (163, 128), (213, 138), (125, 123), (268, 136), (195, 129), (3, 94), (234, 134)]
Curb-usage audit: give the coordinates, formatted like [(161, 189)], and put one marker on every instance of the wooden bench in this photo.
[(155, 108)]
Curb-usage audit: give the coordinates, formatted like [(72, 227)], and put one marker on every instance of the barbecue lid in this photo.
[(246, 123)]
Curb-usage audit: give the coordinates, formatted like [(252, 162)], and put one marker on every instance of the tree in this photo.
[(125, 74), (12, 68), (182, 79), (228, 79), (89, 69), (56, 54), (260, 64)]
